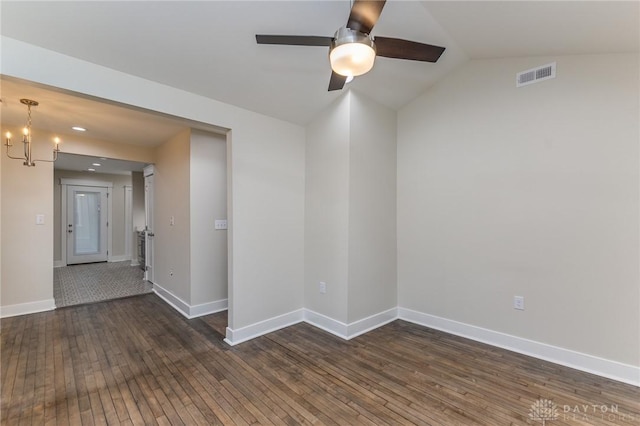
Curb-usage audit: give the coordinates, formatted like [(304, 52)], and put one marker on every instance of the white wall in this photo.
[(267, 184), (532, 192), (372, 209), (172, 258), (327, 211), (208, 193), (350, 228)]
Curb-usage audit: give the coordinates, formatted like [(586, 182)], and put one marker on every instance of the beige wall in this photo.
[(528, 191), (117, 208), (27, 248)]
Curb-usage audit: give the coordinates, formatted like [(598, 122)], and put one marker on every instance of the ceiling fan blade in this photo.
[(405, 49), (337, 81), (364, 15), (294, 40)]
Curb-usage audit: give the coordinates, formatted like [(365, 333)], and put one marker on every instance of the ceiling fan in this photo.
[(352, 50)]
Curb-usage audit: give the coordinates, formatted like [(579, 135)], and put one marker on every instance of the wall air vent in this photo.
[(535, 75)]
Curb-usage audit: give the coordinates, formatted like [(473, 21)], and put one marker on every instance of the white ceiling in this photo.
[(208, 48)]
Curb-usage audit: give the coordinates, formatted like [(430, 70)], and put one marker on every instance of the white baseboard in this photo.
[(208, 308), (330, 325), (323, 322), (187, 310), (178, 304), (252, 331), (119, 258), (59, 264), (27, 308), (135, 263), (580, 361), (354, 329), (372, 322)]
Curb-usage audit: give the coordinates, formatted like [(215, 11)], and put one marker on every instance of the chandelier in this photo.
[(29, 161)]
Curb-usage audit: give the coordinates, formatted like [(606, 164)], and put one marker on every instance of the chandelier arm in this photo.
[(11, 156)]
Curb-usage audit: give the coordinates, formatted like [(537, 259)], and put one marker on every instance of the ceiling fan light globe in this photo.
[(352, 53)]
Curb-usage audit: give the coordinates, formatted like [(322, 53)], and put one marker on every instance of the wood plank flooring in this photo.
[(136, 361)]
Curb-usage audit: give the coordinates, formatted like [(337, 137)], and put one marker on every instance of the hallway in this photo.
[(94, 282)]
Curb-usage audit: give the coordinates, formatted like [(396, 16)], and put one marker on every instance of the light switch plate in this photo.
[(39, 219), (221, 224)]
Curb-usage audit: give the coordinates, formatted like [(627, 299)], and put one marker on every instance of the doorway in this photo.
[(97, 217)]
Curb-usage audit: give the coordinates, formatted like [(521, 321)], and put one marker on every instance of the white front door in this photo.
[(86, 230)]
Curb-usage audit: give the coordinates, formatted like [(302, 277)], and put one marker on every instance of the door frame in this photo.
[(128, 222), (64, 183), (149, 218)]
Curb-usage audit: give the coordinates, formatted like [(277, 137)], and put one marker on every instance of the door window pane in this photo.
[(86, 222)]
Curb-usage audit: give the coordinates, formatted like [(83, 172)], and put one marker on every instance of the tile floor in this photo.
[(94, 282)]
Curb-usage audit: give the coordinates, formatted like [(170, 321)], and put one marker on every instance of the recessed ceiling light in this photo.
[(91, 170), (97, 164), (79, 129)]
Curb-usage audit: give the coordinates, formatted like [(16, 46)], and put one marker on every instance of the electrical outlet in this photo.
[(172, 221), (518, 303), (322, 287)]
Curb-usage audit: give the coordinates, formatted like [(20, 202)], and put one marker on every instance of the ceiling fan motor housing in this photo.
[(352, 53)]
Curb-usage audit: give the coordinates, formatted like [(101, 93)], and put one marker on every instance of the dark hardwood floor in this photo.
[(136, 361)]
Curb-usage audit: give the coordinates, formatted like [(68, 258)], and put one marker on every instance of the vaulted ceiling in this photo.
[(209, 48)]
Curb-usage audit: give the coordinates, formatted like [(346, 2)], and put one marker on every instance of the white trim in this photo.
[(110, 223), (27, 308), (208, 308), (580, 361), (59, 263), (187, 310), (173, 300), (134, 262), (372, 322), (128, 220), (252, 331), (119, 258), (323, 322), (83, 182), (148, 170)]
